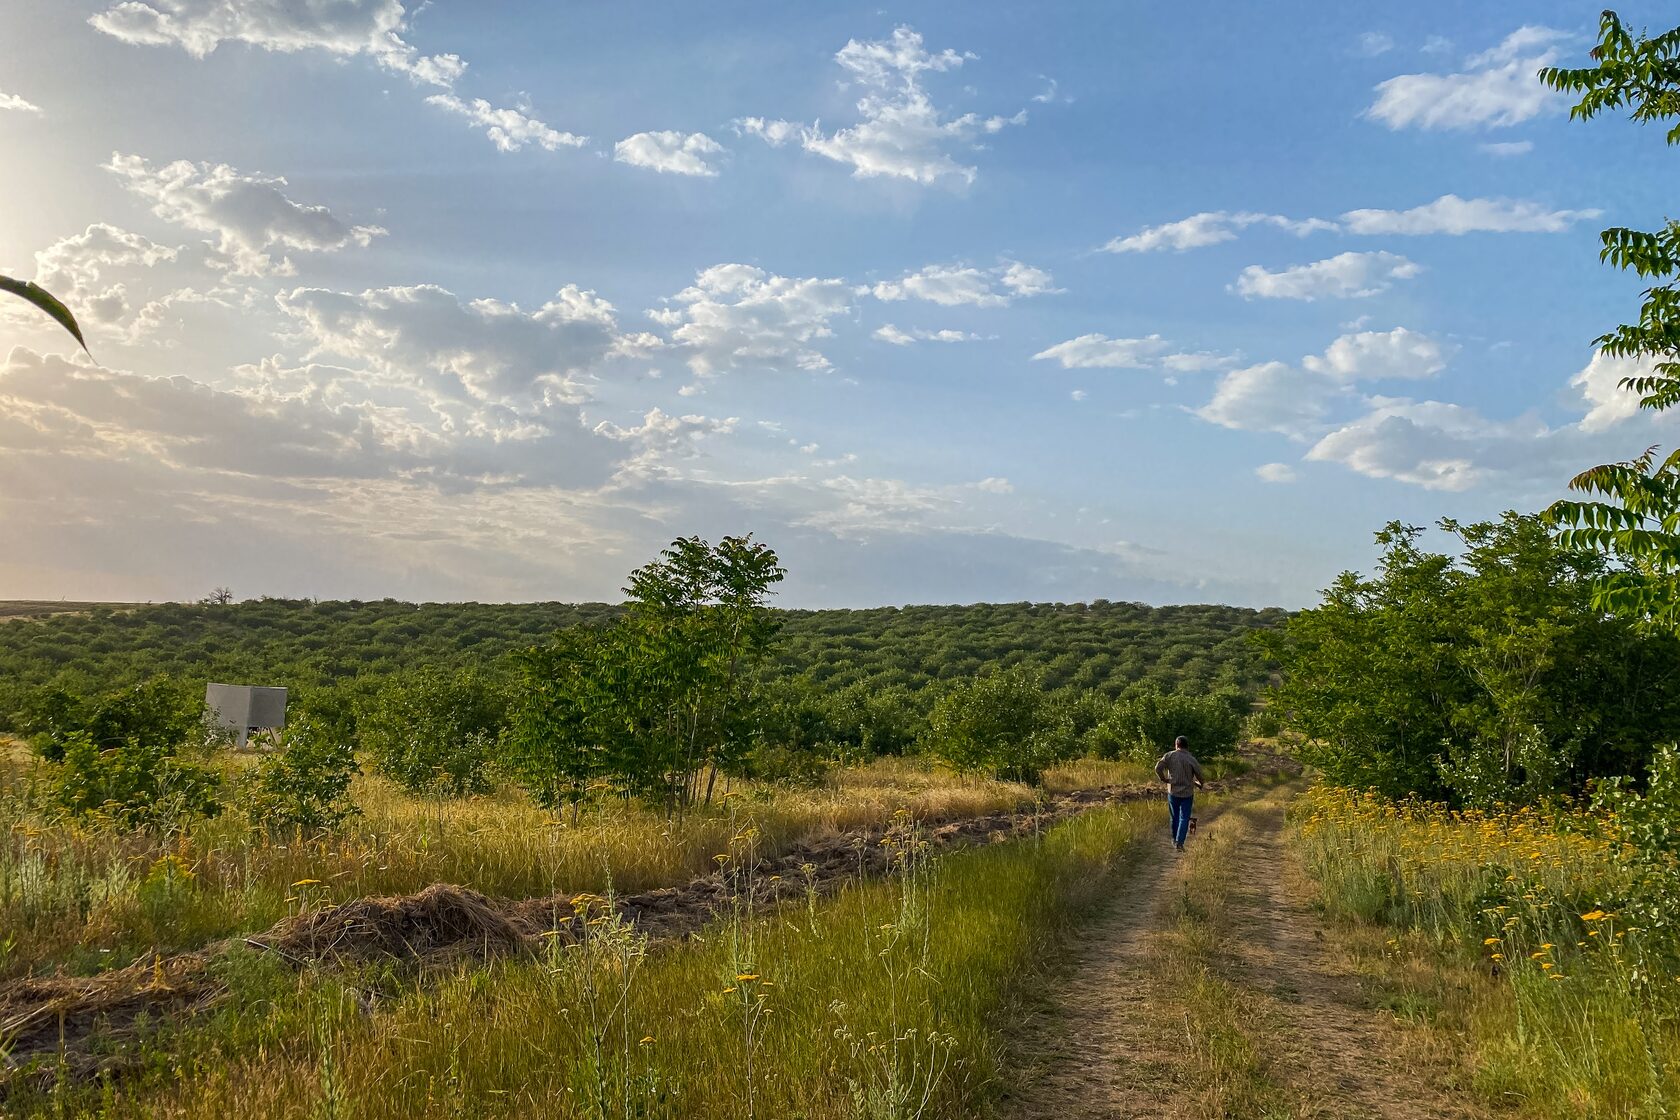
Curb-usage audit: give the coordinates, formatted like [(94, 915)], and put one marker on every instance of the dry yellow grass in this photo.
[(89, 897)]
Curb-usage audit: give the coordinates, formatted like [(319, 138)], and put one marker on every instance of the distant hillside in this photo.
[(41, 608), (305, 644)]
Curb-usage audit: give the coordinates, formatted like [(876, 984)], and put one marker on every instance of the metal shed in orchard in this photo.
[(245, 708)]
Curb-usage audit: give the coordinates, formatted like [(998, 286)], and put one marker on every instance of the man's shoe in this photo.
[(1180, 847)]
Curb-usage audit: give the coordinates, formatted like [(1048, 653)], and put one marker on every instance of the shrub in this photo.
[(1003, 723), (1145, 723), (433, 731), (307, 784), (134, 782)]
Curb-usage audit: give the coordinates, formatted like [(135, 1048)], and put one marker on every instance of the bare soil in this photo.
[(1104, 1043)]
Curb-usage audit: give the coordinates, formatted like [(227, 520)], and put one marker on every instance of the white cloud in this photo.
[(995, 486), (1098, 351), (774, 133), (736, 316), (1600, 383), (347, 28), (77, 268), (1377, 355), (1275, 472), (1450, 214), (1208, 228), (898, 336), (1078, 395), (1428, 443), (1497, 88), (249, 215), (508, 129), (669, 151), (1270, 397), (1344, 276), (12, 103), (1198, 362), (956, 285), (900, 132), (481, 351), (1296, 401), (1373, 43), (1508, 147)]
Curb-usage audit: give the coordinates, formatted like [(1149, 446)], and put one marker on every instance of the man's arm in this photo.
[(1196, 769), (1161, 769)]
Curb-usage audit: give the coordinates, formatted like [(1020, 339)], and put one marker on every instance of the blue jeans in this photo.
[(1178, 809)]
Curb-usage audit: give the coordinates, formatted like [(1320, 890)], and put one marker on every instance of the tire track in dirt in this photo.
[(1105, 1043), (1342, 1058), (1093, 1049)]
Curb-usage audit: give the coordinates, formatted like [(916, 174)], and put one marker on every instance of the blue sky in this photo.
[(947, 302)]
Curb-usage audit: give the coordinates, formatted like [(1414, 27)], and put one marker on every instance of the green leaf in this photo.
[(46, 301)]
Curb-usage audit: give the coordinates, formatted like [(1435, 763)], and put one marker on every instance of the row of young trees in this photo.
[(656, 702)]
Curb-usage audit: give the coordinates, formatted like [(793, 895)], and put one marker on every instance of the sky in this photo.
[(946, 302)]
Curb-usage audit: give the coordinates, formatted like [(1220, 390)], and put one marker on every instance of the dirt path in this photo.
[(1125, 1035)]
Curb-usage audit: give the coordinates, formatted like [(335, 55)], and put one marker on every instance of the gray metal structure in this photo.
[(244, 708)]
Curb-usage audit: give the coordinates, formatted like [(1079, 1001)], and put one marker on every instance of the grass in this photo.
[(1496, 933), (886, 1001), (87, 897)]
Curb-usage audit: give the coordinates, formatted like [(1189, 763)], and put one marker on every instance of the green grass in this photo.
[(886, 1001), (1496, 934)]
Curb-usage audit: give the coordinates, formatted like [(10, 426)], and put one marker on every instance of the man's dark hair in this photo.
[(1181, 741)]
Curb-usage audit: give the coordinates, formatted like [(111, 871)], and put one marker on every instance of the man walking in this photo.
[(1183, 775)]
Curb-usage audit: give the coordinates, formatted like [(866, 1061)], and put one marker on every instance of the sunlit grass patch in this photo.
[(1504, 927), (887, 1000), (88, 897)]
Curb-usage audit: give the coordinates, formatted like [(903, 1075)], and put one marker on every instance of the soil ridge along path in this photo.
[(40, 1016)]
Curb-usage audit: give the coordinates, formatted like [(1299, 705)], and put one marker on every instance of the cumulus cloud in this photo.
[(1270, 397), (956, 285), (899, 336), (1207, 228), (482, 350), (1098, 351), (78, 269), (737, 316), (12, 103), (347, 28), (1344, 276), (1496, 88), (508, 129), (900, 132), (1275, 472), (1379, 355), (1601, 384), (250, 216), (1453, 215), (1296, 401), (1434, 445), (668, 151)]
